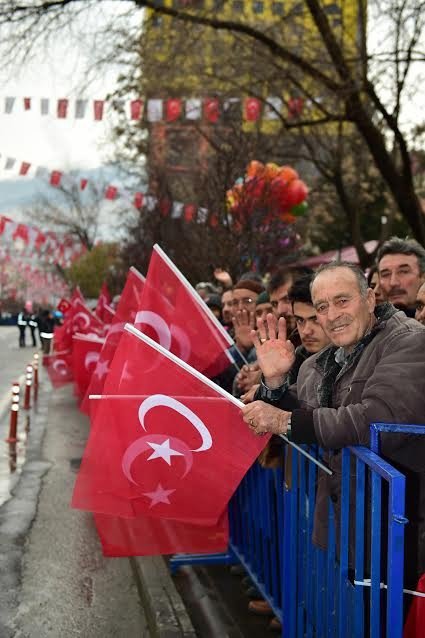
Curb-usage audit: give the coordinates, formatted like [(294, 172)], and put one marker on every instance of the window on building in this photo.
[(181, 148), (277, 8), (258, 7), (237, 6)]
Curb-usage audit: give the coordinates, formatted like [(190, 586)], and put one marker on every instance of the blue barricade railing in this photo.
[(351, 588)]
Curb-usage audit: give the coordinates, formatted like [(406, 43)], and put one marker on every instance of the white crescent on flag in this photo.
[(81, 320), (91, 358), (60, 366), (157, 400)]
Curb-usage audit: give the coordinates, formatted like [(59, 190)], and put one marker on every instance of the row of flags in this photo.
[(56, 248), (188, 212), (208, 109), (167, 447)]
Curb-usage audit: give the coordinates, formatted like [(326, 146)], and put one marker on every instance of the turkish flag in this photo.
[(111, 192), (55, 178), (149, 536), (59, 367), (85, 321), (77, 294), (252, 109), (136, 109), (25, 166), (165, 442), (85, 355), (211, 110), (98, 106), (62, 108), (415, 623), (173, 314), (104, 300), (173, 109), (64, 306), (108, 314), (128, 305)]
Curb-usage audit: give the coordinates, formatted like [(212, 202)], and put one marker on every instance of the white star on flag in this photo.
[(102, 368), (159, 496), (163, 451)]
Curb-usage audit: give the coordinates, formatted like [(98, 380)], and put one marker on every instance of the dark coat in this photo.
[(386, 383)]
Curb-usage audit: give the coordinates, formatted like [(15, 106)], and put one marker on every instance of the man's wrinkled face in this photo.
[(227, 308), (311, 332), (262, 310), (420, 305), (400, 278), (344, 314)]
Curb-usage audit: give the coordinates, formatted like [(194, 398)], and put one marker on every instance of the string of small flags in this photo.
[(208, 109), (137, 199)]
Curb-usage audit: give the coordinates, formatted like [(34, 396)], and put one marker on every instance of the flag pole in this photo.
[(198, 299)]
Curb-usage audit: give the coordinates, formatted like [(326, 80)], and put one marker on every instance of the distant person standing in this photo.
[(33, 324), (22, 325), (46, 324)]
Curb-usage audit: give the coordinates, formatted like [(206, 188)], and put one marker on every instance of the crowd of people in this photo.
[(322, 355), (42, 322)]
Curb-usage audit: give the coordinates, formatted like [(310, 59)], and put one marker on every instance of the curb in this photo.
[(165, 612)]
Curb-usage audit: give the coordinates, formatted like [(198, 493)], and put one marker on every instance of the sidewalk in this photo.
[(54, 580)]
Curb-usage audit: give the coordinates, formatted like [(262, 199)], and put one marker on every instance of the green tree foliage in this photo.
[(93, 268)]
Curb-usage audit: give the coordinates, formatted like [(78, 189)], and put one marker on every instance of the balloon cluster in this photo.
[(275, 191)]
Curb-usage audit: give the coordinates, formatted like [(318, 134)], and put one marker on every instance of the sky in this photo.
[(58, 144)]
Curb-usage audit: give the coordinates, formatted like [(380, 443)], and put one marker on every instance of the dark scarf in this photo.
[(332, 370)]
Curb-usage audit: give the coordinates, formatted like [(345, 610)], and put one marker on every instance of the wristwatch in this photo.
[(289, 426)]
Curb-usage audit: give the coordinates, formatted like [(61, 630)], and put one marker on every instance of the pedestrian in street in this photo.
[(373, 371), (46, 325), (33, 324), (23, 319)]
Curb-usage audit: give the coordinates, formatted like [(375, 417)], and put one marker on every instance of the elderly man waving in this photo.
[(374, 370)]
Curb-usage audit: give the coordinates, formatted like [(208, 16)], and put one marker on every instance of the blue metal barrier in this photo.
[(332, 592)]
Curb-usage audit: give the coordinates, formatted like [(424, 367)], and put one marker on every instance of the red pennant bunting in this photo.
[(111, 192), (63, 108), (165, 207), (136, 109), (252, 109), (25, 166), (27, 103), (83, 183), (55, 178), (173, 109), (189, 212), (98, 109), (213, 221), (295, 107), (211, 110), (138, 200)]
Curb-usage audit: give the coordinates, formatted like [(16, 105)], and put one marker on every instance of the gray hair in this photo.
[(356, 270), (399, 246)]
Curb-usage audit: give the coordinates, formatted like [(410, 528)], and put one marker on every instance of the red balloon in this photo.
[(296, 192)]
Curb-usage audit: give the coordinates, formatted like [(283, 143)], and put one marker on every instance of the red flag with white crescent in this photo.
[(165, 442), (104, 300), (85, 355), (128, 305), (173, 314), (59, 368), (149, 536)]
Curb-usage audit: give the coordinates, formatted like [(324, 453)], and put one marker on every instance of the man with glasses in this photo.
[(373, 370)]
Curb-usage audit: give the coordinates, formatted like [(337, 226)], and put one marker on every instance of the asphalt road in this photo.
[(54, 581)]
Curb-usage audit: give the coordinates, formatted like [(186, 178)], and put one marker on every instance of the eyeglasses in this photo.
[(341, 304), (245, 301)]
